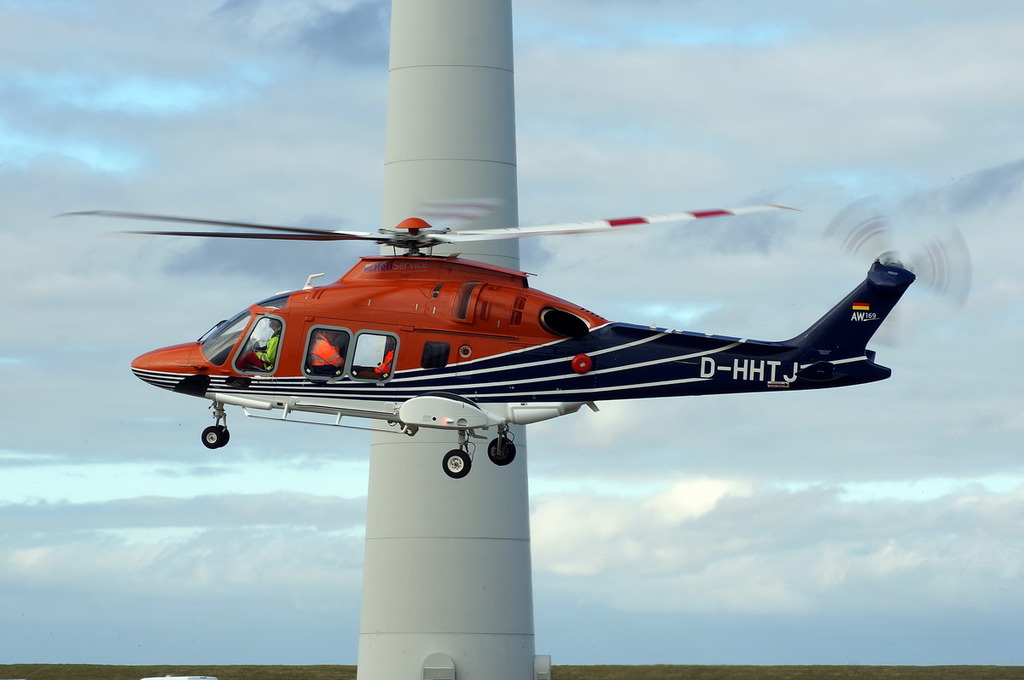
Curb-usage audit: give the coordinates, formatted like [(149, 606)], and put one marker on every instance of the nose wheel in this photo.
[(217, 435)]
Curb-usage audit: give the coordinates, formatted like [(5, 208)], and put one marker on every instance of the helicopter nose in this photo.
[(172, 368)]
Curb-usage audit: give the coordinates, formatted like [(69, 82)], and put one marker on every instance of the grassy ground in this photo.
[(86, 672)]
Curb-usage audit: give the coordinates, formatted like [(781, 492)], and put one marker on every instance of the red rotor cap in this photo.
[(413, 224)]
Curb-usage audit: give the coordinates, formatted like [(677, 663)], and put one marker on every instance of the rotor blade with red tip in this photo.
[(602, 225)]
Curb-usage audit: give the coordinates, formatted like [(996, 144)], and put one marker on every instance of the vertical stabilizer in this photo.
[(846, 329)]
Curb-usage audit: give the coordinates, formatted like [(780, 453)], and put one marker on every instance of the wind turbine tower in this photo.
[(447, 588)]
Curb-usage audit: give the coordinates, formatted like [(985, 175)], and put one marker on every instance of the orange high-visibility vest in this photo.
[(384, 369), (325, 354)]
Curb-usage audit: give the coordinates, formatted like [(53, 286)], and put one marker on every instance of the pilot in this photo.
[(325, 356), (268, 354), (263, 346)]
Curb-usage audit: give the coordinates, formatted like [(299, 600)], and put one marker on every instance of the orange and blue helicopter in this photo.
[(423, 341)]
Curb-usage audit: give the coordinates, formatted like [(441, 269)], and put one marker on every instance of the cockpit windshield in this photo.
[(217, 342)]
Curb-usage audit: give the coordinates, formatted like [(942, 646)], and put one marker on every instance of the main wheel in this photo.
[(501, 451), (215, 436), (456, 464)]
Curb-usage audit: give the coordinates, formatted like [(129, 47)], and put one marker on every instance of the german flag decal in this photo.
[(861, 306)]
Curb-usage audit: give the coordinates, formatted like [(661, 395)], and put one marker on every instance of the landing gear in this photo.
[(502, 450), (217, 435), (456, 463)]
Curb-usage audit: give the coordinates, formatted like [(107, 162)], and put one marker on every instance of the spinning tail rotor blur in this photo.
[(941, 262)]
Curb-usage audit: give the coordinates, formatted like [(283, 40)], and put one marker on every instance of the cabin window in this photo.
[(326, 351), (560, 322), (435, 354), (259, 352), (373, 357)]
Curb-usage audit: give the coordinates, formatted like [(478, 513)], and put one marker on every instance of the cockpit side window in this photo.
[(276, 302), (326, 352), (373, 357), (217, 343), (258, 353)]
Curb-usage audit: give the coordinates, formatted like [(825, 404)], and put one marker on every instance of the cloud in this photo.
[(346, 33), (139, 598), (988, 188), (356, 36), (716, 545), (236, 510)]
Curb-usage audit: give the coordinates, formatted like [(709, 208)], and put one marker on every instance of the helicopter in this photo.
[(418, 340)]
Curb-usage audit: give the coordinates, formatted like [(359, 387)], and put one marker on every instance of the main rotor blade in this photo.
[(328, 236), (602, 225), (216, 223)]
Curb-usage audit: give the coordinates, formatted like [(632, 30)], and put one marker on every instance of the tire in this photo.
[(456, 464), (501, 451), (215, 436)]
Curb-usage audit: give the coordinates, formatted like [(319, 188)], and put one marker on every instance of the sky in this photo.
[(882, 524)]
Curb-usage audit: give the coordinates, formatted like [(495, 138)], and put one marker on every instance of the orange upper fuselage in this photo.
[(479, 310)]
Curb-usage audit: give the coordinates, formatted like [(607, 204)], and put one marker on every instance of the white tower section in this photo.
[(451, 115), (447, 586)]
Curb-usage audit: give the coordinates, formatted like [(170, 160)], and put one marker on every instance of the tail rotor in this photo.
[(942, 262)]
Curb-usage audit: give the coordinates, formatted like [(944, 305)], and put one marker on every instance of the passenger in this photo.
[(383, 369), (325, 357)]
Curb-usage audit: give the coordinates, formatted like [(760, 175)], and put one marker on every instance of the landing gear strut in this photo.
[(217, 435)]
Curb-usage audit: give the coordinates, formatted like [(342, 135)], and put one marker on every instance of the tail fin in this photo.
[(845, 330)]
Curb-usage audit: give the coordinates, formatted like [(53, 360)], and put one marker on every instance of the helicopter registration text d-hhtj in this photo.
[(757, 370)]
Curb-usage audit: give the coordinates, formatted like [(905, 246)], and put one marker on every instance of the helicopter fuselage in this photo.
[(452, 344)]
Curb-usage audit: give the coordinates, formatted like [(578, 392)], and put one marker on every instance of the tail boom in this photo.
[(627, 361)]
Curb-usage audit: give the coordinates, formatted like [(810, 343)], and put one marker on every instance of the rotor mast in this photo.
[(447, 575)]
